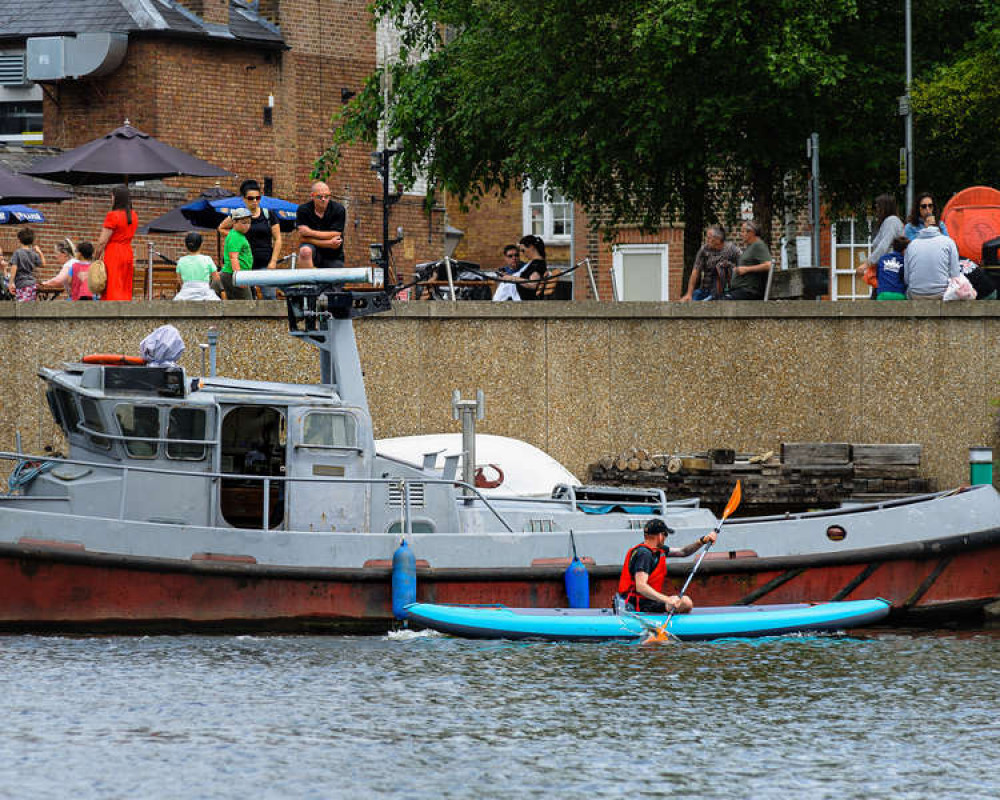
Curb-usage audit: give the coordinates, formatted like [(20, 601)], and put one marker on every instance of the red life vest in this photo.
[(657, 578)]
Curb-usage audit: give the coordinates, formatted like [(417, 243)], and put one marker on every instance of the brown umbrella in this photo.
[(16, 189), (126, 154)]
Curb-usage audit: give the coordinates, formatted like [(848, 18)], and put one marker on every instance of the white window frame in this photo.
[(858, 251), (21, 94), (653, 248), (548, 216)]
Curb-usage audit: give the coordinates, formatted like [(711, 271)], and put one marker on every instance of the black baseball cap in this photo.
[(657, 526)]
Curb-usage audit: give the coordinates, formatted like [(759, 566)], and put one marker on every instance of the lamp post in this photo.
[(908, 111), (380, 253)]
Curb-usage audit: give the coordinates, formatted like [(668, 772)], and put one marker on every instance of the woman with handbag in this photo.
[(115, 246), (888, 227)]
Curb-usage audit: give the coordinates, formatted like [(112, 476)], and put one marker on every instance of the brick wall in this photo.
[(208, 99)]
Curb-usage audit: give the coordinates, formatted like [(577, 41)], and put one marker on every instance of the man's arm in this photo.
[(764, 266), (694, 279), (688, 549), (327, 239), (642, 587)]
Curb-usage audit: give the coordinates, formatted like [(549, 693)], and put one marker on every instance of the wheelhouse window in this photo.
[(320, 429), (94, 423), (186, 423), (69, 415), (141, 422)]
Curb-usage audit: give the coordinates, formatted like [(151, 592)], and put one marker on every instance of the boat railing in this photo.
[(895, 502), (43, 463)]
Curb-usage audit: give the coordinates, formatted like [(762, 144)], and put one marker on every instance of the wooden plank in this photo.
[(815, 452), (899, 471), (869, 454)]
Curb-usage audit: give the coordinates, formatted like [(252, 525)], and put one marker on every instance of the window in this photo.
[(329, 430), (640, 271), (93, 422), (851, 243), (142, 422), (547, 213), (186, 423), (70, 412), (20, 103)]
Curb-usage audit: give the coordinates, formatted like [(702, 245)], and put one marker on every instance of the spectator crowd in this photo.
[(915, 259)]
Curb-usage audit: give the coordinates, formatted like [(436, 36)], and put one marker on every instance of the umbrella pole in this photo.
[(149, 274)]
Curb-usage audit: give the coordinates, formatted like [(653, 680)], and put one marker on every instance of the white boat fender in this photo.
[(577, 580), (404, 579)]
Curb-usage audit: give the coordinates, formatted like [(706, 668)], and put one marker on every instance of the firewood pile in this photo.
[(803, 476)]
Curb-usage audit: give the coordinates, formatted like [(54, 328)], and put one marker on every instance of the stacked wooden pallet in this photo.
[(805, 475)]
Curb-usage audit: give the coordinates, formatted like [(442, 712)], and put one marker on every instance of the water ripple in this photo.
[(892, 715)]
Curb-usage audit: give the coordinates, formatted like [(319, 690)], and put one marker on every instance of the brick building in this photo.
[(252, 87)]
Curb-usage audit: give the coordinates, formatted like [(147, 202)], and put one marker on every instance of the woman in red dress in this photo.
[(115, 245)]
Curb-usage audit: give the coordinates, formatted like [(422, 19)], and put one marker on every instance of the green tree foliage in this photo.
[(630, 106), (956, 103)]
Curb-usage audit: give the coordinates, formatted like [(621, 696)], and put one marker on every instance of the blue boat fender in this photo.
[(577, 580), (404, 579)]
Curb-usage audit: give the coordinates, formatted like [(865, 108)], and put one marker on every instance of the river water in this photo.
[(888, 715)]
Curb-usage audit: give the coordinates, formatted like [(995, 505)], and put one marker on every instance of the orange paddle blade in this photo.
[(734, 501)]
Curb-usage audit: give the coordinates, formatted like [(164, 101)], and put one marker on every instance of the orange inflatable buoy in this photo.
[(114, 359), (973, 218), (483, 483)]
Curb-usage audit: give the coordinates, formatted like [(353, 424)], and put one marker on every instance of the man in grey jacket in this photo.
[(929, 261)]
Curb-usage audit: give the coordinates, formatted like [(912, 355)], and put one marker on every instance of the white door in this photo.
[(640, 272)]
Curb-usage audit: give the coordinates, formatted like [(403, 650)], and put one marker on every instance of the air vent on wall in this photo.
[(12, 69)]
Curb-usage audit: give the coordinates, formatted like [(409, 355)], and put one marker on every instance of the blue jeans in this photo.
[(702, 294)]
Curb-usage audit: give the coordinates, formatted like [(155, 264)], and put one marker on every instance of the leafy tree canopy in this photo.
[(630, 105)]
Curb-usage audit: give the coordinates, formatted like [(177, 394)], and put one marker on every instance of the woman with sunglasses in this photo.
[(923, 215), (529, 277), (264, 234)]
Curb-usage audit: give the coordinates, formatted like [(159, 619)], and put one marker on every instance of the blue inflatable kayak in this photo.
[(595, 624)]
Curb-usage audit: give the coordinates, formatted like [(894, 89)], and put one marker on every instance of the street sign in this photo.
[(903, 172)]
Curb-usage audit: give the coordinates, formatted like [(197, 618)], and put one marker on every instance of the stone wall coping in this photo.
[(552, 309)]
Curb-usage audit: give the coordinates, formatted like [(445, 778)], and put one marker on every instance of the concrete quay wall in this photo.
[(582, 380)]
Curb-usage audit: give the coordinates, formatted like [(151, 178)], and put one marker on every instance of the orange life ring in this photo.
[(482, 483), (115, 359)]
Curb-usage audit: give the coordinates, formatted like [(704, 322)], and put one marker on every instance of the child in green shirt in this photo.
[(197, 272), (236, 255)]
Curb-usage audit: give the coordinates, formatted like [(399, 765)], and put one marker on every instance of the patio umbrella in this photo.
[(174, 221), (209, 212), (19, 215), (171, 222), (19, 189), (126, 154)]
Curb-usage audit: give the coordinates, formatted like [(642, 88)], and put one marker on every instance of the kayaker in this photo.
[(644, 573)]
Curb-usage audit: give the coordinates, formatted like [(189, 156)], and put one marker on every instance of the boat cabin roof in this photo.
[(132, 382)]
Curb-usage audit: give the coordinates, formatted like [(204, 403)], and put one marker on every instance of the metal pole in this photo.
[(814, 148), (149, 274), (909, 109), (386, 158)]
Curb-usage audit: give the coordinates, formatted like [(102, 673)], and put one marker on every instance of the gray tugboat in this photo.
[(203, 502)]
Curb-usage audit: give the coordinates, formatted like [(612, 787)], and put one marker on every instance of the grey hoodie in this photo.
[(929, 261)]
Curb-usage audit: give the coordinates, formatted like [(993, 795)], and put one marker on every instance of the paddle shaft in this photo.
[(734, 501)]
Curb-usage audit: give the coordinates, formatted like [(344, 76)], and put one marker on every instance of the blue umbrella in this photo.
[(208, 213), (19, 215)]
